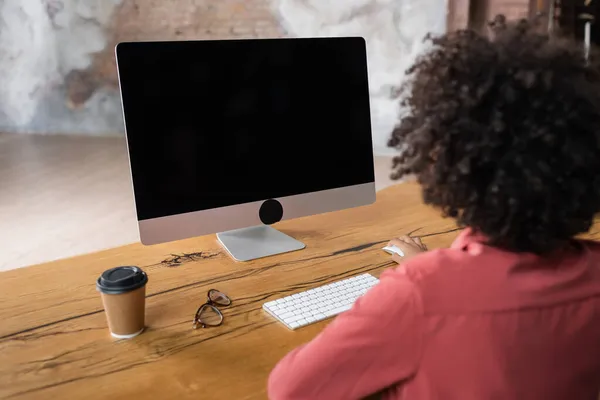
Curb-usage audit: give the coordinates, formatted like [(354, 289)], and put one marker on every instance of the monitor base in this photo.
[(257, 242)]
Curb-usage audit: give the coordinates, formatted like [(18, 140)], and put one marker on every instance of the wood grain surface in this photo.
[(54, 342)]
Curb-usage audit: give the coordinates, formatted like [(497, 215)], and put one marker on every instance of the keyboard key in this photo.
[(320, 317), (289, 320), (341, 309)]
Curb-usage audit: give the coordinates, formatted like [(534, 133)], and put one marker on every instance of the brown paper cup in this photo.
[(125, 313), (123, 291)]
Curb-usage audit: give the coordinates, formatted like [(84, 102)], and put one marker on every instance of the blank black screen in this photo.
[(218, 123)]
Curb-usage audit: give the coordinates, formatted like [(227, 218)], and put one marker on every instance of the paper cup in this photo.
[(123, 291)]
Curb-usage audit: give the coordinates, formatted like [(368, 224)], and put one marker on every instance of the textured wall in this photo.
[(57, 71), (484, 11), (512, 9), (41, 42), (184, 20), (57, 60), (394, 30)]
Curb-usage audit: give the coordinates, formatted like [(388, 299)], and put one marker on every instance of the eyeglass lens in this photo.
[(209, 316), (219, 298)]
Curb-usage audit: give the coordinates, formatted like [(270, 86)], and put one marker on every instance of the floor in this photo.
[(61, 196)]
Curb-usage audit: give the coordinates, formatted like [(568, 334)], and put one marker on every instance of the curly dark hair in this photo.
[(502, 131)]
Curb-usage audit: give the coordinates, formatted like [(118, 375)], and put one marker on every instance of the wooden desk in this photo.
[(54, 343)]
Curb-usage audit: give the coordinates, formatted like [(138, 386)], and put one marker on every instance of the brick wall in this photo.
[(476, 13), (512, 9), (172, 20), (458, 14), (223, 19)]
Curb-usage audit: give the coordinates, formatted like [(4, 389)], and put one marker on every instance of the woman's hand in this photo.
[(409, 246)]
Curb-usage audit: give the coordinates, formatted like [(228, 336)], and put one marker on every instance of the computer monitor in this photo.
[(232, 136)]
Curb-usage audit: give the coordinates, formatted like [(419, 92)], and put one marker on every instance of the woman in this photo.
[(504, 136)]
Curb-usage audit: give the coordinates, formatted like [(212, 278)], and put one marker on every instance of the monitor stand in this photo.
[(257, 242)]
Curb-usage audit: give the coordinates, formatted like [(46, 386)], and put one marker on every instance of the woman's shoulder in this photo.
[(434, 262)]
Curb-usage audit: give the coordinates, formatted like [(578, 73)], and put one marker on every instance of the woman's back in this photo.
[(468, 323), (499, 325)]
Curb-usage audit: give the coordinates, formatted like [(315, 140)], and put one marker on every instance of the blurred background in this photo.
[(64, 177)]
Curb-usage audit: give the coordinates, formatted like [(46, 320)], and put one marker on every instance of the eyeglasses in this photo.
[(208, 315)]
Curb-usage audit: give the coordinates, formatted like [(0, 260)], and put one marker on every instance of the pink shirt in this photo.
[(469, 323)]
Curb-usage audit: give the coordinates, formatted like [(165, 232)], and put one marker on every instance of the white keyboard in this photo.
[(320, 303)]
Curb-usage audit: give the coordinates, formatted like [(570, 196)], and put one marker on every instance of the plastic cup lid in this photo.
[(121, 280)]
